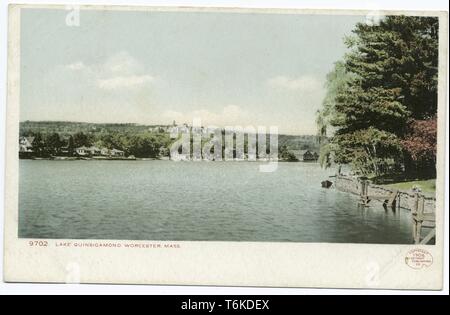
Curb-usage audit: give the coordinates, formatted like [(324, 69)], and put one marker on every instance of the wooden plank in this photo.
[(424, 217), (429, 217), (392, 198), (428, 224), (421, 206), (429, 237), (378, 197), (415, 204), (418, 232)]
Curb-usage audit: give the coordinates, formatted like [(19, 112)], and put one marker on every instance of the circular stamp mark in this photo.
[(418, 258)]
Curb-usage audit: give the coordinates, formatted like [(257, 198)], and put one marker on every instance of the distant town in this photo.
[(88, 141)]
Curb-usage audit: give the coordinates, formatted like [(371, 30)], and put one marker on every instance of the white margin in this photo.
[(437, 5)]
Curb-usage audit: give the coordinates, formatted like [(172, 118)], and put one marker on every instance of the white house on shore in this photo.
[(26, 144), (82, 151), (117, 153), (104, 151)]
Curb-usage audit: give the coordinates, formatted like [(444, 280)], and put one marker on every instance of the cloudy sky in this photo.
[(156, 67)]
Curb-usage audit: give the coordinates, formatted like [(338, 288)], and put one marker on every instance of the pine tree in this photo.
[(387, 81)]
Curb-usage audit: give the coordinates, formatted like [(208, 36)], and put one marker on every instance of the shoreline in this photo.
[(151, 159), (73, 158)]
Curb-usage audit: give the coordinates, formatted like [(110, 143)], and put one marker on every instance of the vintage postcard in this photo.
[(238, 147)]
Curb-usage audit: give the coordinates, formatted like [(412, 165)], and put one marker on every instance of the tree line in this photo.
[(62, 138), (142, 145)]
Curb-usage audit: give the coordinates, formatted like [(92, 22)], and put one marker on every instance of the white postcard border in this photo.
[(216, 263)]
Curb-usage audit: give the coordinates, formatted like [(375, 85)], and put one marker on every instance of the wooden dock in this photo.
[(389, 199), (422, 221)]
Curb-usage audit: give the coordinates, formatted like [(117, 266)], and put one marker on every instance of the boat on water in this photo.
[(326, 184)]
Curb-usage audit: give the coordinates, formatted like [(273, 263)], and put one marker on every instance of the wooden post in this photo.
[(364, 192), (420, 210), (418, 216), (414, 214), (362, 188), (366, 187), (429, 237), (392, 199)]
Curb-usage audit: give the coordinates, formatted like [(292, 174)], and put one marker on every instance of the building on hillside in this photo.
[(82, 151), (94, 151), (104, 152), (117, 153), (85, 151)]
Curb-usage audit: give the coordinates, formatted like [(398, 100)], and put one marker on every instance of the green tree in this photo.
[(286, 155), (39, 145), (70, 145), (53, 143), (421, 144), (370, 151), (81, 139), (336, 83), (388, 77)]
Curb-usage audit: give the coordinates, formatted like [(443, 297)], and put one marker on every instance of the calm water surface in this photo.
[(219, 201)]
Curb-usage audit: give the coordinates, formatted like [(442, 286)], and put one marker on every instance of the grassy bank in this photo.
[(427, 186)]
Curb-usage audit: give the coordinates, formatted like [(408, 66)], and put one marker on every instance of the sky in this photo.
[(227, 69)]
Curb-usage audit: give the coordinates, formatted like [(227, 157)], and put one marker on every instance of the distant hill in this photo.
[(69, 128), (65, 129), (303, 142)]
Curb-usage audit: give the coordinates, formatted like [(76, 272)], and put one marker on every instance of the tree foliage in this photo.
[(382, 97), (286, 155), (420, 143), (143, 145), (420, 140)]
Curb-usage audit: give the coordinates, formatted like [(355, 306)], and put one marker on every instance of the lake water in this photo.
[(193, 201)]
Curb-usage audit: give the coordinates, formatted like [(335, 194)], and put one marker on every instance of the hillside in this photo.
[(66, 129)]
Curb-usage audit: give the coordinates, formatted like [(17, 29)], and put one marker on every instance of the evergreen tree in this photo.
[(38, 145), (53, 143), (70, 145), (386, 82)]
